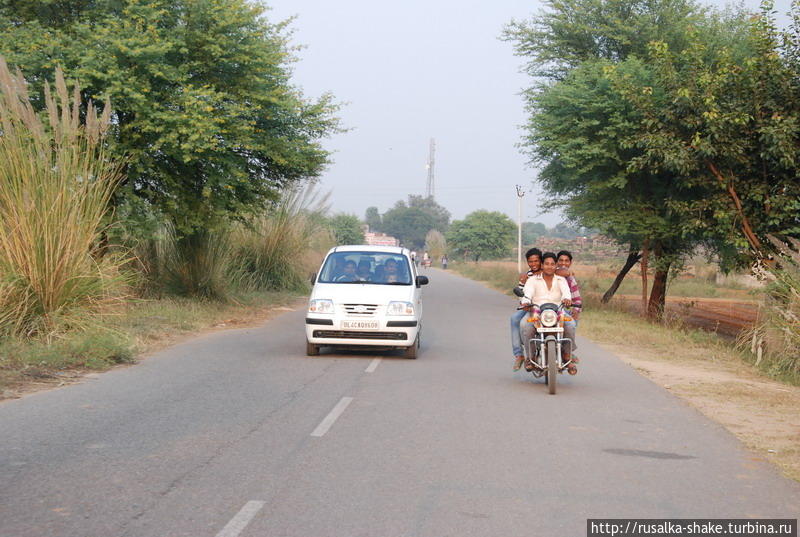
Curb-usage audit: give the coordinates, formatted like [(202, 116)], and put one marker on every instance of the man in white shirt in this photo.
[(543, 288)]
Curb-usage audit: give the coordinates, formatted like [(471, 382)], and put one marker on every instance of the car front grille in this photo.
[(351, 334), (360, 309)]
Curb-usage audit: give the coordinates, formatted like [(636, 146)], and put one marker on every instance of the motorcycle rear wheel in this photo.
[(552, 367)]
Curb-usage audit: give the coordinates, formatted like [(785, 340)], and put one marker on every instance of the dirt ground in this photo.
[(764, 414)]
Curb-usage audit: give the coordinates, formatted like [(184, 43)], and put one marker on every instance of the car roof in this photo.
[(368, 248)]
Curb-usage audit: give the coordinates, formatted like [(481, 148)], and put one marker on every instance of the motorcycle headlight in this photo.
[(400, 308), (320, 305), (549, 318)]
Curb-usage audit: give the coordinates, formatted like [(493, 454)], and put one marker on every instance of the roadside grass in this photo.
[(119, 336), (712, 373), (598, 278)]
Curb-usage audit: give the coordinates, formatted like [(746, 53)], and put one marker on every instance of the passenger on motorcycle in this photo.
[(564, 268), (534, 258), (543, 288)]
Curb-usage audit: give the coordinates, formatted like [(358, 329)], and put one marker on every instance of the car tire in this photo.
[(412, 351), (311, 349)]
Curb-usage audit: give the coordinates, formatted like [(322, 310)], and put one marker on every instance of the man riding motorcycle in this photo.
[(543, 288)]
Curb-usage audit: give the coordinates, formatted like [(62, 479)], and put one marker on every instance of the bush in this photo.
[(775, 341), (55, 185), (281, 249)]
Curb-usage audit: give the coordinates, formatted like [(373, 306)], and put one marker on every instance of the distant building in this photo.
[(380, 239)]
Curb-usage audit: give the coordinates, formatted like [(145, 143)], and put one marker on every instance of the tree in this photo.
[(482, 234), (586, 134), (727, 122), (347, 229), (204, 110), (441, 216), (531, 231), (409, 224), (373, 219)]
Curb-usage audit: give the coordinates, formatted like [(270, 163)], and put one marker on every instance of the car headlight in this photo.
[(320, 305), (549, 318), (400, 308)]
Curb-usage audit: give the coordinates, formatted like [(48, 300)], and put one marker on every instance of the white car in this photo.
[(366, 296)]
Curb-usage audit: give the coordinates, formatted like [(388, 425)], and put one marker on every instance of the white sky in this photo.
[(411, 71)]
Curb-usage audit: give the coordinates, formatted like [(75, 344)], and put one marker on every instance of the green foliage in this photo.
[(373, 219), (482, 234), (726, 122), (409, 224), (205, 112), (569, 32), (280, 249), (347, 229), (532, 231), (56, 181)]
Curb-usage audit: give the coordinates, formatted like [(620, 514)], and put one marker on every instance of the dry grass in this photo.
[(55, 185)]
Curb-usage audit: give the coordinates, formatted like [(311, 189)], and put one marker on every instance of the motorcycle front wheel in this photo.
[(552, 367)]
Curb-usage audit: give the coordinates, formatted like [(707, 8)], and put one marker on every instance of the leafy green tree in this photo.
[(373, 219), (727, 122), (347, 229), (204, 110), (441, 216), (482, 234), (409, 224), (531, 231), (567, 33), (585, 134)]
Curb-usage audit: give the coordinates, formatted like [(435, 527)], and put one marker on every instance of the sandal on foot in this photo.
[(518, 363), (572, 369)]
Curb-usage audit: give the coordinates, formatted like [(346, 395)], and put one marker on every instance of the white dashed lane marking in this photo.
[(241, 520), (373, 365), (334, 414)]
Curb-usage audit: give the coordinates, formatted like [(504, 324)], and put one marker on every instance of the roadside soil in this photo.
[(764, 414), (146, 346)]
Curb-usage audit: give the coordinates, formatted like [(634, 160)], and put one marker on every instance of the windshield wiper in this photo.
[(397, 283)]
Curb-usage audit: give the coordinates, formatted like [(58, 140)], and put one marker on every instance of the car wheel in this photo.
[(413, 350), (311, 349)]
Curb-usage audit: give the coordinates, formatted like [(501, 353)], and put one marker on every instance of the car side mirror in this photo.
[(313, 278), (519, 292), (422, 280)]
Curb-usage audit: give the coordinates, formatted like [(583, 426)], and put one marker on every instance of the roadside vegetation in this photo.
[(157, 170)]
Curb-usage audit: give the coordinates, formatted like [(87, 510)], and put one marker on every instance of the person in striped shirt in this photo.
[(565, 269)]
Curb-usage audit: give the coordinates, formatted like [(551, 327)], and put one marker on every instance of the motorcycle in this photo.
[(543, 352)]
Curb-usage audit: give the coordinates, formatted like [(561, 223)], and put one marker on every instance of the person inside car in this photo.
[(349, 273), (363, 272)]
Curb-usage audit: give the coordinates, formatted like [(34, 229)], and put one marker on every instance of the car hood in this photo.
[(357, 293)]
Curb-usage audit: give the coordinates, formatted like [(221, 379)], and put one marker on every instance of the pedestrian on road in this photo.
[(444, 262)]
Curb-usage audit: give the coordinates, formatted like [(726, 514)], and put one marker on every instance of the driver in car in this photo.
[(349, 273), (546, 287)]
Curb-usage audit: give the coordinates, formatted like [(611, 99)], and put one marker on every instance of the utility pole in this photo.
[(431, 190), (520, 195)]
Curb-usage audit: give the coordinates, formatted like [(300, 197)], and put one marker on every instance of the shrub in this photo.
[(56, 181)]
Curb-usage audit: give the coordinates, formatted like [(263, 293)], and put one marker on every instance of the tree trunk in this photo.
[(633, 258), (645, 257), (658, 294)]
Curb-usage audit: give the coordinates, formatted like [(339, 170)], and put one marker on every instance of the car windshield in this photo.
[(380, 268)]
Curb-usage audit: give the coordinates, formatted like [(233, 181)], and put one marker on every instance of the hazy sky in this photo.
[(411, 71)]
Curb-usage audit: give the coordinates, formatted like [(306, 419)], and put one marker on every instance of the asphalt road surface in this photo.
[(238, 433)]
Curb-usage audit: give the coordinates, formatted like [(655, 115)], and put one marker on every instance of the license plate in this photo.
[(360, 325)]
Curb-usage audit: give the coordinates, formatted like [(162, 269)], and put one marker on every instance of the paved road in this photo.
[(225, 436)]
